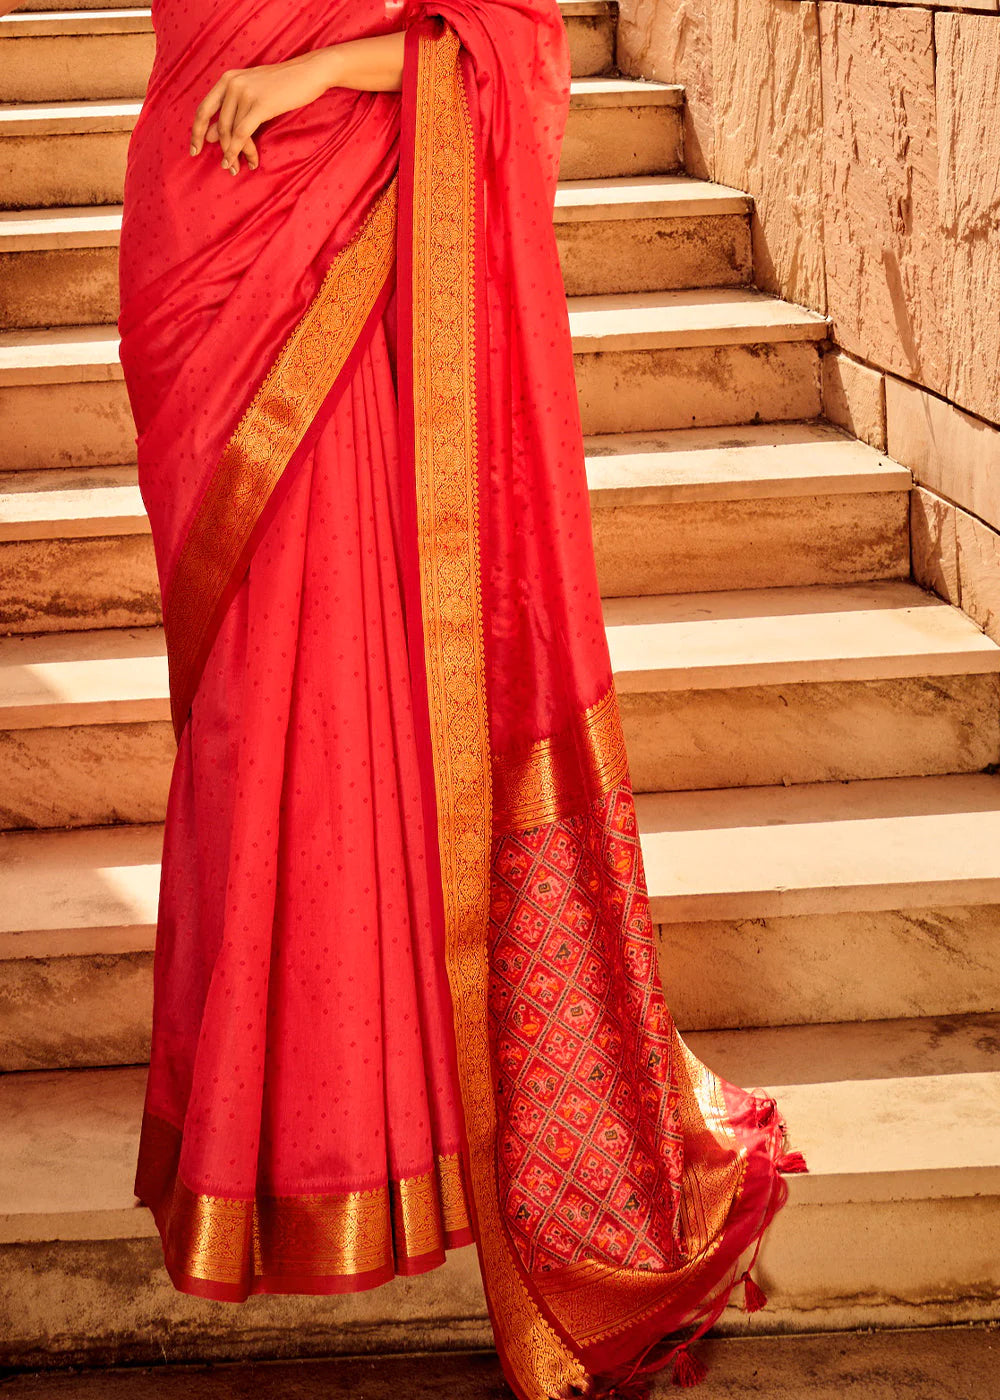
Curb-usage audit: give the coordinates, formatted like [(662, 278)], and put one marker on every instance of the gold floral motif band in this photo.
[(559, 775), (318, 1235), (264, 442), (445, 362)]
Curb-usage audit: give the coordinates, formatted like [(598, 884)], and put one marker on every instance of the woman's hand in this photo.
[(244, 98)]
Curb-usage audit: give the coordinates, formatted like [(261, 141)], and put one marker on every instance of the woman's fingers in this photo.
[(248, 118), (227, 120), (207, 109)]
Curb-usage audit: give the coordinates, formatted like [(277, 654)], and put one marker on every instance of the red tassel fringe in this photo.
[(753, 1295), (688, 1370), (791, 1162)]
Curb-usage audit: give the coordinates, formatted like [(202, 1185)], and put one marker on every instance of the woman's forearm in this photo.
[(374, 64), (244, 98)]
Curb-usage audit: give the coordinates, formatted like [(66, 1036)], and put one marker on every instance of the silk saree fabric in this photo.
[(406, 993)]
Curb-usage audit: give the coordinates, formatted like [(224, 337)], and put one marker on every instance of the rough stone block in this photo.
[(766, 100), (854, 397)]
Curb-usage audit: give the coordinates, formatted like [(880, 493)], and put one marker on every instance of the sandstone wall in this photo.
[(869, 136)]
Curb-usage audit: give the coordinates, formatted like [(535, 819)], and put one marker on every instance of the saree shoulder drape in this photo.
[(406, 993)]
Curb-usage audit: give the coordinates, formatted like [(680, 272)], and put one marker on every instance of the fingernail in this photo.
[(235, 169), (194, 149)]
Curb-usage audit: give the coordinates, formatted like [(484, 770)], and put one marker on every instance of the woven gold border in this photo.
[(444, 368), (561, 774), (224, 1240), (257, 454)]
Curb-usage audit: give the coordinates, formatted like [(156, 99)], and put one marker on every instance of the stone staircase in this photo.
[(814, 739)]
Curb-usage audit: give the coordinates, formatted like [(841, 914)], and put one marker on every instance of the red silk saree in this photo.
[(406, 993)]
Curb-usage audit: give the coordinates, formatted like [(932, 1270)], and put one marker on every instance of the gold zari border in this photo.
[(229, 1241), (445, 179), (559, 775), (272, 428)]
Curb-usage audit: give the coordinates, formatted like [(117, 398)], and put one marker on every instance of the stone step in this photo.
[(47, 6), (925, 1363), (77, 56), (55, 55), (696, 358), (59, 266), (899, 1121), (73, 153), (802, 685), (644, 361), (780, 886), (671, 514), (745, 506), (722, 689)]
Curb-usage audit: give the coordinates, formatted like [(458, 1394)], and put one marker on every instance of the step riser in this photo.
[(805, 970), (61, 287), (700, 546), (48, 6), (79, 286), (753, 736), (75, 67), (71, 1012), (696, 546), (101, 1303), (82, 424), (113, 67), (71, 585), (89, 424), (96, 773), (85, 775), (44, 172), (698, 386)]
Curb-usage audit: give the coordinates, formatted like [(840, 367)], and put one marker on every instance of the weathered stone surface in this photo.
[(66, 425), (640, 255), (922, 1364), (110, 1301), (792, 971), (693, 546), (632, 391), (893, 1267), (854, 397), (949, 451), (968, 111), (766, 97), (671, 40), (70, 1012), (886, 277), (43, 172), (811, 732), (591, 43), (66, 585), (934, 544), (979, 572), (84, 775), (609, 141), (64, 287), (75, 67)]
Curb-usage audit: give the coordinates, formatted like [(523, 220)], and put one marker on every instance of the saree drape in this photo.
[(406, 993)]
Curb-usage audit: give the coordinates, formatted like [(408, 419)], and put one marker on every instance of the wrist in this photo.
[(328, 66)]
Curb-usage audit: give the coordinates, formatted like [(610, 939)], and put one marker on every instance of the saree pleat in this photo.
[(310, 970), (406, 983)]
